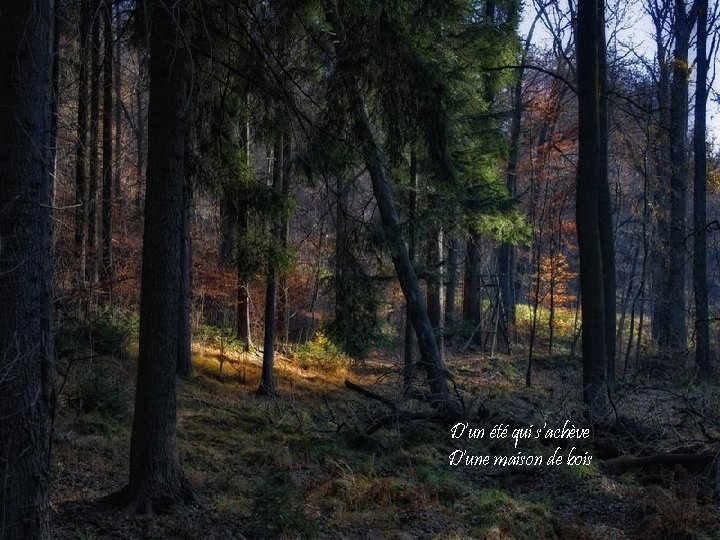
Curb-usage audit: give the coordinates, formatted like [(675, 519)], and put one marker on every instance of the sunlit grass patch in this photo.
[(495, 513)]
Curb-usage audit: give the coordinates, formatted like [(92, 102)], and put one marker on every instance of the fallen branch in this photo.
[(372, 395), (695, 460)]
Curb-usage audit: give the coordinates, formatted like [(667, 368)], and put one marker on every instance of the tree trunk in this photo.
[(27, 364), (184, 360), (661, 201), (434, 290), (429, 352), (607, 233), (587, 209), (156, 480), (107, 148), (702, 337), (451, 280), (81, 147), (94, 135), (409, 341), (471, 288), (677, 329), (267, 383), (117, 67), (284, 230)]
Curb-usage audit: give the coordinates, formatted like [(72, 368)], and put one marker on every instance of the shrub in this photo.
[(322, 354)]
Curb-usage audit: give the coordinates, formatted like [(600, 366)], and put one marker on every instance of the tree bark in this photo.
[(702, 337), (471, 288), (587, 209), (92, 268), (184, 359), (117, 68), (435, 290), (382, 191), (409, 341), (156, 480), (267, 382), (26, 341), (607, 233), (81, 173), (676, 338), (107, 147)]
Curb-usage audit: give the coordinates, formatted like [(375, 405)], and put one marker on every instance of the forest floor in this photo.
[(303, 465)]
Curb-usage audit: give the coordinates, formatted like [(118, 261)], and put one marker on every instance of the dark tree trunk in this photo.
[(26, 342), (284, 230), (107, 147), (117, 67), (587, 209), (409, 341), (429, 352), (140, 127), (243, 286), (184, 359), (607, 233), (228, 231), (471, 288), (702, 337), (660, 14), (92, 268), (156, 479), (81, 147), (434, 287), (267, 383), (451, 281), (677, 329)]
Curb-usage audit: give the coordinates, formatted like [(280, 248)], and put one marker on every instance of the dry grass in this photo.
[(293, 467)]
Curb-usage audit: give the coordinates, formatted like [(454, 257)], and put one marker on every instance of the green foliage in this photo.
[(100, 393), (102, 333), (357, 326), (321, 353), (278, 509), (222, 338)]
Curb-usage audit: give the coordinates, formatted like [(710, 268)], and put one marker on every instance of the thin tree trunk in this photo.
[(267, 382), (451, 281), (409, 343), (607, 234), (81, 174), (702, 337), (94, 137), (434, 289), (471, 288), (107, 148), (117, 67), (27, 363)]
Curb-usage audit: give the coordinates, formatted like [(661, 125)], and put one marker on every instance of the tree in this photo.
[(587, 207), (26, 340), (81, 173), (683, 22), (429, 351), (156, 479), (702, 337), (107, 144), (607, 233)]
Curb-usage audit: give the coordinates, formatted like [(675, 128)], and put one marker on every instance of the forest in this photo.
[(359, 269)]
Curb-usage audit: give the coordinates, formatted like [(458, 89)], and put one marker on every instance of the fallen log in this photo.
[(695, 460)]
